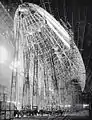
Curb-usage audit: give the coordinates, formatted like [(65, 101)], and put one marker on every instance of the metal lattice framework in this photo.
[(49, 63)]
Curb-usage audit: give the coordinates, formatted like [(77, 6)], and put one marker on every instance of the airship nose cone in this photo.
[(25, 8)]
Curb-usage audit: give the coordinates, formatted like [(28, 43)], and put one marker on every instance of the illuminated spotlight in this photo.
[(67, 105), (85, 105), (3, 54)]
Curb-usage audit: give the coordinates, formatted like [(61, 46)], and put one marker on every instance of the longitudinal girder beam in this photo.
[(58, 61)]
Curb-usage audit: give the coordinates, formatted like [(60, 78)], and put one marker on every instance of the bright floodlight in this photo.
[(3, 54)]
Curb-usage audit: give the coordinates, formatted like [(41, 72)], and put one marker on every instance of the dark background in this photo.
[(79, 14)]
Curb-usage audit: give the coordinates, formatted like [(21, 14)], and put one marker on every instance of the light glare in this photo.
[(3, 54)]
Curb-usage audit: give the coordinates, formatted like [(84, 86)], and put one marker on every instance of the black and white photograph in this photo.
[(45, 60)]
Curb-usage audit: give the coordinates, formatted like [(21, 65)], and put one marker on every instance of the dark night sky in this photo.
[(70, 5)]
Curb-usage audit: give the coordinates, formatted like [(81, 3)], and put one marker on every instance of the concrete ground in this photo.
[(55, 118)]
